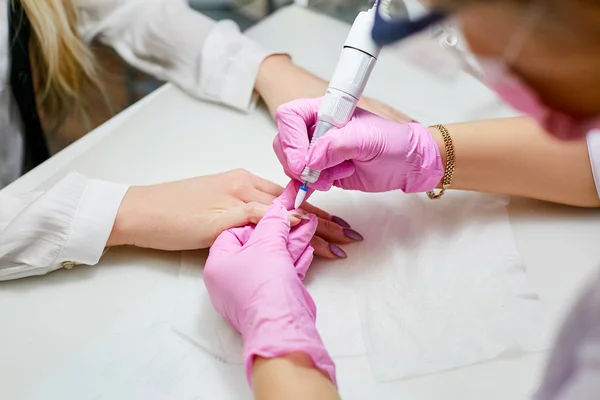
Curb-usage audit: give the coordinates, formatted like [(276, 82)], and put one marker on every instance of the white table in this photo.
[(50, 326)]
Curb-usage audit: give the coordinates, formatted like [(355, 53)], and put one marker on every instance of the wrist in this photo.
[(297, 365), (124, 225), (439, 141), (280, 81), (298, 359), (268, 71), (300, 338), (272, 332)]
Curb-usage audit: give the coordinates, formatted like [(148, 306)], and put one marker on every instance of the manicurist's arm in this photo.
[(514, 156), (291, 377)]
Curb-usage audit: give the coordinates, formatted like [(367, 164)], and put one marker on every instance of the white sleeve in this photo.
[(168, 39), (70, 222), (593, 143)]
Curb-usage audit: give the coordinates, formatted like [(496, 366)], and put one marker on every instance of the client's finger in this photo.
[(332, 229), (335, 233), (273, 228), (327, 250), (383, 110), (266, 186), (392, 114), (261, 197), (285, 196), (249, 213), (309, 208), (328, 228)]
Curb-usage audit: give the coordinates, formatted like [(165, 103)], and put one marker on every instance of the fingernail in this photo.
[(300, 216), (414, 121), (352, 234), (340, 222), (338, 252)]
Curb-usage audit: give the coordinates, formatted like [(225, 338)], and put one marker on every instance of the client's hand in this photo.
[(190, 214), (370, 153), (253, 276), (383, 110)]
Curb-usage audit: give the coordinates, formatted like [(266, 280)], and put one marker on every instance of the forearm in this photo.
[(515, 157), (279, 81), (290, 377)]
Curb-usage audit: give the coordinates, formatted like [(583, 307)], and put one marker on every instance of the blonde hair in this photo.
[(63, 63)]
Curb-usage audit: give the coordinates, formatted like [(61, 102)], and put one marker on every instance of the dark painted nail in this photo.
[(340, 222), (352, 234), (338, 252), (414, 121)]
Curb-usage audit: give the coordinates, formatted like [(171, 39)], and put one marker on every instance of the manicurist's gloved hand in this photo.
[(253, 276), (370, 153)]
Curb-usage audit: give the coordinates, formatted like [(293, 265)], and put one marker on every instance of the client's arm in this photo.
[(279, 80), (290, 377), (72, 222), (516, 157)]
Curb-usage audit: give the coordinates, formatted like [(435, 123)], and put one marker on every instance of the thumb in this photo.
[(273, 228), (301, 236), (293, 121), (241, 215), (332, 149), (226, 243)]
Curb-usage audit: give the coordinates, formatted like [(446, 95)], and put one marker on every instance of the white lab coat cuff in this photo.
[(71, 221), (93, 222), (230, 63), (593, 144)]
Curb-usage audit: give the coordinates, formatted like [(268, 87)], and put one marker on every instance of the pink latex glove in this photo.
[(370, 153), (253, 276)]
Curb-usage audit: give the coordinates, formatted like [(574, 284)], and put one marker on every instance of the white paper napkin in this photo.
[(443, 283), (435, 285)]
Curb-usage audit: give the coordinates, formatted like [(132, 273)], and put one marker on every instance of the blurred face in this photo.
[(551, 45), (545, 56)]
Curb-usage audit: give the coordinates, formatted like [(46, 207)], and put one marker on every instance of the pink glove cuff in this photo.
[(425, 156), (272, 333)]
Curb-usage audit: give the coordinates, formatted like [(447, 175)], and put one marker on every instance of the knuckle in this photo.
[(238, 181), (329, 226), (237, 188), (239, 173), (252, 211), (280, 111)]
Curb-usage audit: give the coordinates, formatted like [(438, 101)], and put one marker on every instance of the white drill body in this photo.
[(348, 82)]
